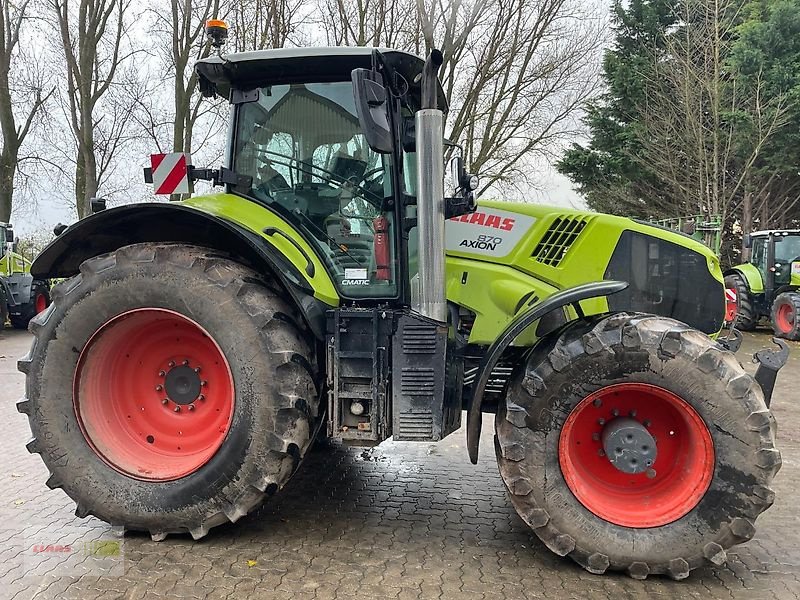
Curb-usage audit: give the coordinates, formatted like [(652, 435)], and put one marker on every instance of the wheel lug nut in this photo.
[(595, 436), (191, 407), (646, 423), (159, 387), (632, 413), (615, 412), (601, 421), (177, 409), (204, 383), (162, 373), (171, 364), (197, 369), (598, 403), (201, 397), (185, 363), (601, 453), (164, 401)]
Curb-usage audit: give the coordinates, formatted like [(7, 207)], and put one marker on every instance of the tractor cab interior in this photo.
[(302, 145)]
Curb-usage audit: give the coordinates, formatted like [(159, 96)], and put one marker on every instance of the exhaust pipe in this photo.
[(429, 124)]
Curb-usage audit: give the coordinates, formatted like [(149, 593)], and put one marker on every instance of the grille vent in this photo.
[(419, 339), (555, 244), (416, 426), (418, 382)]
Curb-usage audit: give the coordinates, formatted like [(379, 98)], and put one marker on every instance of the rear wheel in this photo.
[(634, 443), (178, 383), (786, 316), (746, 317)]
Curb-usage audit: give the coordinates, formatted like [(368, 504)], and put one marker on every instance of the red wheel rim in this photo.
[(730, 305), (784, 318), (41, 303), (678, 478), (125, 376)]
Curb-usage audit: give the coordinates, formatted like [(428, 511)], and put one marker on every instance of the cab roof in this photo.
[(248, 70), (769, 231)]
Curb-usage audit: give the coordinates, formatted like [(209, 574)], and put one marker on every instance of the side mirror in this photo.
[(372, 106), (459, 177), (10, 233), (15, 245), (747, 241)]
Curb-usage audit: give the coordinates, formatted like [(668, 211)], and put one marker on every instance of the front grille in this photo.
[(665, 279), (557, 241)]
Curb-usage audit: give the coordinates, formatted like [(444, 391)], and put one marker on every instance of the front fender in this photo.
[(520, 323), (114, 228)]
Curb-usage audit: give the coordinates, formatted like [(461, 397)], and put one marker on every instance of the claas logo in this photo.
[(487, 220)]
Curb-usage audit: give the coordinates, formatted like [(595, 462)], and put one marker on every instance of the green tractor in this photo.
[(333, 289), (21, 295), (768, 286)]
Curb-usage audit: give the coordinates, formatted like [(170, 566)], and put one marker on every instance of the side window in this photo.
[(759, 257)]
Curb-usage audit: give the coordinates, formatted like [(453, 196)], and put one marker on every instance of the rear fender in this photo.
[(112, 229), (751, 275)]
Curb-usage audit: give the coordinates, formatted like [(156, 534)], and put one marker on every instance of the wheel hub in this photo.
[(628, 445), (182, 384)]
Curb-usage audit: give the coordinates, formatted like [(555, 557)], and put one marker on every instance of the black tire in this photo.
[(628, 348), (746, 317), (785, 316), (38, 288), (271, 361)]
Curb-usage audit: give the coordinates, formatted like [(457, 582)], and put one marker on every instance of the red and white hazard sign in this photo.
[(171, 173), (730, 295)]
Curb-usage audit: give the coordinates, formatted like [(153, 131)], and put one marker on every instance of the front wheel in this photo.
[(179, 385), (786, 316), (634, 443)]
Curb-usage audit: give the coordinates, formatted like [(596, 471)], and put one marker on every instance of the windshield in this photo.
[(303, 147), (788, 249)]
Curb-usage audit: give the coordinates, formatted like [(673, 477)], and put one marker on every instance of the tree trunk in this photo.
[(747, 222)]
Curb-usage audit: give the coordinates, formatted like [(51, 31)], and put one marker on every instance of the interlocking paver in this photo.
[(406, 521)]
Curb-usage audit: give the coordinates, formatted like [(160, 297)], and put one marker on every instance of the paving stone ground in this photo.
[(399, 521)]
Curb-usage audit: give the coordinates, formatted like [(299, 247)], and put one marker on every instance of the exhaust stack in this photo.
[(430, 195)]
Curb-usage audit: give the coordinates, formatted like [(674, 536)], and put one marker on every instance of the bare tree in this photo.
[(261, 24), (20, 92), (516, 71), (92, 36), (702, 131)]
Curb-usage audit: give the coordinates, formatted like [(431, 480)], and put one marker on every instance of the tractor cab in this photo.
[(777, 254), (305, 141)]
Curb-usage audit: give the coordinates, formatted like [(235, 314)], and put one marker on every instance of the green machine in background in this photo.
[(21, 296), (768, 286), (703, 228)]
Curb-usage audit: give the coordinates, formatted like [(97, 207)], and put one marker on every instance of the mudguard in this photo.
[(520, 323), (111, 229)]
